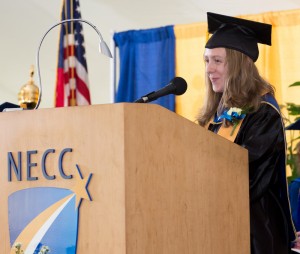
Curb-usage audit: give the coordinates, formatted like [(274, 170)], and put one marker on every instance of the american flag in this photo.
[(72, 86)]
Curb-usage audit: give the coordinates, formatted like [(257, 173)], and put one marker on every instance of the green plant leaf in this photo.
[(293, 142), (295, 84), (293, 109)]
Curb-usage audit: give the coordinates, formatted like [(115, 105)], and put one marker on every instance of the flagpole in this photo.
[(103, 48), (113, 85)]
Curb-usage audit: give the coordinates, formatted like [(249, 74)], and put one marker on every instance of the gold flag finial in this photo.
[(29, 93), (31, 71)]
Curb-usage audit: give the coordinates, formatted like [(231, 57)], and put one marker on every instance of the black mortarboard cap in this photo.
[(238, 34)]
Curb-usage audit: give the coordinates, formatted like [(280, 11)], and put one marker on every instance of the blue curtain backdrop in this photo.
[(147, 63)]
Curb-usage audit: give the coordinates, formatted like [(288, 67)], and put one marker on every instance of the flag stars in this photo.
[(77, 9), (78, 28), (79, 40)]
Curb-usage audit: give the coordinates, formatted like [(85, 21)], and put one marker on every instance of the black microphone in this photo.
[(176, 86)]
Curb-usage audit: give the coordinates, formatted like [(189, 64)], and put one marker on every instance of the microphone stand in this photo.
[(144, 99), (103, 48)]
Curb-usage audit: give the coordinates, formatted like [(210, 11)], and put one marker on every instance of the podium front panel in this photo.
[(120, 178)]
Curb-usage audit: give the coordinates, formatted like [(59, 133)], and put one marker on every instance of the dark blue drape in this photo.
[(147, 63)]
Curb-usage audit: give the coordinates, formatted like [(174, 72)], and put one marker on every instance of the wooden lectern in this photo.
[(150, 181)]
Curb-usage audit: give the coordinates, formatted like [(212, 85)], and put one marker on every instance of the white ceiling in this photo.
[(23, 23)]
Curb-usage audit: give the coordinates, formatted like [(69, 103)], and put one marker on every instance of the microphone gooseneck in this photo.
[(177, 86), (103, 48)]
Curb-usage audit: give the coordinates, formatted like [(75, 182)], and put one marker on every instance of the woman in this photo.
[(240, 106)]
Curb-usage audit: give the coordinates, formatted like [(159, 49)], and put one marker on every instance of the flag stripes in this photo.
[(72, 84)]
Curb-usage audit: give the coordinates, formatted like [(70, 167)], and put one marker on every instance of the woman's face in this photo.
[(216, 68)]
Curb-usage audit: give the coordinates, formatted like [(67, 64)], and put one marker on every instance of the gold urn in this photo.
[(29, 93)]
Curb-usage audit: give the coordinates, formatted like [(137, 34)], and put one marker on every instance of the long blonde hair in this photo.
[(243, 88)]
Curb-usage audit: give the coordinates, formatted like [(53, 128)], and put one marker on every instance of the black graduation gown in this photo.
[(271, 226)]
